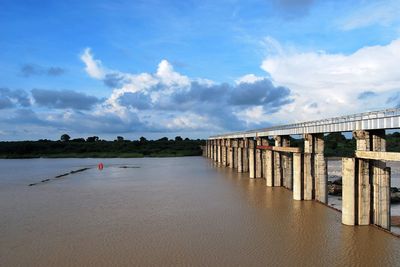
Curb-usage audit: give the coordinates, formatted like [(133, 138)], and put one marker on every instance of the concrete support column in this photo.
[(349, 207), (320, 169), (381, 194), (258, 160), (239, 156), (224, 154), (315, 168), (308, 177), (373, 177), (277, 163), (264, 142), (363, 143), (308, 168), (381, 182), (214, 150), (269, 168), (234, 154), (252, 170), (210, 149), (219, 151), (245, 155), (384, 203), (230, 154), (286, 161), (297, 176)]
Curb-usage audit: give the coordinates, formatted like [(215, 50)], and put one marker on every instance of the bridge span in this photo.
[(266, 153)]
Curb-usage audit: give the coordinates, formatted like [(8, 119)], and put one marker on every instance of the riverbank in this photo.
[(98, 155), (101, 148)]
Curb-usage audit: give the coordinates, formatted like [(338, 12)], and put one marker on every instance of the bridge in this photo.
[(266, 153)]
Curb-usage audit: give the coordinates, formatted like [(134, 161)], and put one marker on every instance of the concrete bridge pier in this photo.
[(269, 168), (315, 168), (258, 159), (277, 173), (298, 180), (234, 154), (286, 162), (373, 181), (219, 151), (252, 163), (229, 151), (240, 156), (245, 154), (215, 150), (349, 184), (224, 153), (264, 142), (363, 143), (379, 206)]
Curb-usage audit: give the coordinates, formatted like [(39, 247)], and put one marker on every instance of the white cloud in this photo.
[(248, 78), (169, 77), (187, 121), (253, 115), (169, 101), (93, 67), (334, 81)]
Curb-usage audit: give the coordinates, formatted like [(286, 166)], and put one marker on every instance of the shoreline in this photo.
[(83, 156)]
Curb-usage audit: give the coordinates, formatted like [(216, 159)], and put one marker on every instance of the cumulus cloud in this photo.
[(28, 70), (93, 67), (167, 100), (334, 81), (162, 101), (62, 99), (13, 98)]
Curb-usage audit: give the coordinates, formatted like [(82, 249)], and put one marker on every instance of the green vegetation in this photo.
[(336, 145), (93, 147)]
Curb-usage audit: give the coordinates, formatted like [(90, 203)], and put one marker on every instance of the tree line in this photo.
[(93, 146), (336, 145)]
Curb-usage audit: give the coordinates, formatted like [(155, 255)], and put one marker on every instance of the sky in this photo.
[(158, 68)]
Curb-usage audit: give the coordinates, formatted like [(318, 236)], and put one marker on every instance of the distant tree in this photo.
[(178, 138), (396, 134), (187, 139), (92, 139), (78, 140), (142, 139), (65, 137), (120, 138), (163, 139)]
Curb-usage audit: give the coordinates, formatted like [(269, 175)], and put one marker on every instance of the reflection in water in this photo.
[(174, 211)]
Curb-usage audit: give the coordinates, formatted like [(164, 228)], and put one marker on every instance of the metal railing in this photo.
[(382, 119)]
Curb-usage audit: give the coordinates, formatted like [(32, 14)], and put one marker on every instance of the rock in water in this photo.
[(334, 189)]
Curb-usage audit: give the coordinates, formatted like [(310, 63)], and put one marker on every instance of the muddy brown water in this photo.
[(170, 212)]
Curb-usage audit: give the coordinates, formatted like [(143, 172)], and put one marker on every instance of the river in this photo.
[(170, 212)]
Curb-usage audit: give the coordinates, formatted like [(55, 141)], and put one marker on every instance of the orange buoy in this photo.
[(100, 166)]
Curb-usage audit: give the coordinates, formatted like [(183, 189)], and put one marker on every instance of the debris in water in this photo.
[(59, 176), (129, 167)]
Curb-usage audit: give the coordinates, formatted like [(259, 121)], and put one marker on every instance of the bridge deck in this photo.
[(384, 119)]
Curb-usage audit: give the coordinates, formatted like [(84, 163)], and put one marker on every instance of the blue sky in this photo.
[(191, 68)]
